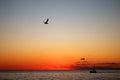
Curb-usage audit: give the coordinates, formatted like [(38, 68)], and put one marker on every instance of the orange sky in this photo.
[(55, 58)]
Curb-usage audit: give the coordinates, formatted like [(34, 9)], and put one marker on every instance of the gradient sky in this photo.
[(77, 28)]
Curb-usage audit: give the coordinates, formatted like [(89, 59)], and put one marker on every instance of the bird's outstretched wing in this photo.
[(47, 20)]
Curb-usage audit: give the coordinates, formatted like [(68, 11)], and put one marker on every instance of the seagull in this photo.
[(46, 22)]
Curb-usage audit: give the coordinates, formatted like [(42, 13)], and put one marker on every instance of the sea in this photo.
[(60, 75)]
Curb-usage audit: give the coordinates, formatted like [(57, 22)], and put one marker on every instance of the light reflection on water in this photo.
[(61, 75)]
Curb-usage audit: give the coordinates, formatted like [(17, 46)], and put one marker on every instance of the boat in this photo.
[(93, 71)]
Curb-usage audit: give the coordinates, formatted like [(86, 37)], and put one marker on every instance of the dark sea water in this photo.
[(60, 75)]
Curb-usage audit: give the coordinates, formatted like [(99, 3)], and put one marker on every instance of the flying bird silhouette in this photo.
[(46, 22)]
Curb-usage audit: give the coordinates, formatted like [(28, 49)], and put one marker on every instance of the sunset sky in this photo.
[(77, 29)]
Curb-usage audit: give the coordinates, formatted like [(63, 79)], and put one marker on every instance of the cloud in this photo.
[(108, 63), (105, 65), (82, 59)]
